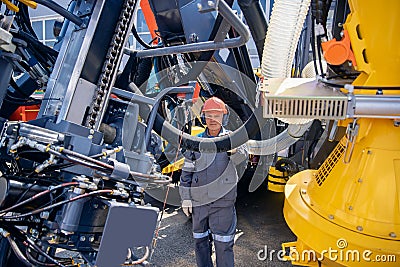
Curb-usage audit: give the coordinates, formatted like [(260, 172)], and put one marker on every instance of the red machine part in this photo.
[(25, 113)]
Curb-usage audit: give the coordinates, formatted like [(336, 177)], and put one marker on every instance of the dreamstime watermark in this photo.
[(340, 253)]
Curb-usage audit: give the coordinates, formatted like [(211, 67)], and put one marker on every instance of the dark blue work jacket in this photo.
[(211, 178)]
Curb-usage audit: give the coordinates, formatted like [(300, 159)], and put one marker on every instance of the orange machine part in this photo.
[(25, 113), (150, 19), (196, 92), (337, 52)]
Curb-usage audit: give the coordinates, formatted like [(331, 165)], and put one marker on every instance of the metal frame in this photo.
[(228, 15)]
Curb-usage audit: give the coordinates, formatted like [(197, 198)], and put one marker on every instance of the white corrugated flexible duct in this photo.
[(283, 35)]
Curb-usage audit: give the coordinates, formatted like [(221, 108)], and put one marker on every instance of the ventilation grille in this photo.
[(313, 108), (302, 98), (330, 162)]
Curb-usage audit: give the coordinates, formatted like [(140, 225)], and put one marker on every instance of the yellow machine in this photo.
[(347, 213)]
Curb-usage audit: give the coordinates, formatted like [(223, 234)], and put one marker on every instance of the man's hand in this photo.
[(187, 207)]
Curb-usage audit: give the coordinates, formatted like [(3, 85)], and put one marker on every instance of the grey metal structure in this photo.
[(73, 81), (230, 17)]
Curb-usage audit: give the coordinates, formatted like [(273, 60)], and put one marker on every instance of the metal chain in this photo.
[(110, 65)]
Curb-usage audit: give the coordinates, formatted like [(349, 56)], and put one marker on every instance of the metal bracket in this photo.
[(121, 170), (333, 131), (207, 5), (5, 41), (351, 134)]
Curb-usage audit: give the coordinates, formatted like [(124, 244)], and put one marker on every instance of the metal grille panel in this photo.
[(302, 99), (316, 108), (330, 162)]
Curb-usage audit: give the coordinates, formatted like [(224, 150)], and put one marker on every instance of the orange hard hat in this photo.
[(215, 104)]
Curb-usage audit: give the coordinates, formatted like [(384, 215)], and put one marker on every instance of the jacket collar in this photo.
[(222, 132)]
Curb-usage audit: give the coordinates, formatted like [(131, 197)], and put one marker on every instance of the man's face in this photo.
[(214, 120)]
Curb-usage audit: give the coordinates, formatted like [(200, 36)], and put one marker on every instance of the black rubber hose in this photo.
[(217, 144), (41, 252), (18, 252), (60, 10), (143, 72), (36, 43), (36, 262), (314, 54), (26, 19), (256, 21), (140, 40)]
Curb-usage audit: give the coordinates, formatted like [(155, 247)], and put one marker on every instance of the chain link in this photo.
[(110, 64)]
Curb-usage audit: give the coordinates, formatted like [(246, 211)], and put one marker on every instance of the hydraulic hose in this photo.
[(60, 10), (17, 251), (256, 21)]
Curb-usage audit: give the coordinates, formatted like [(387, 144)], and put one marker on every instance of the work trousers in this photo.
[(216, 224)]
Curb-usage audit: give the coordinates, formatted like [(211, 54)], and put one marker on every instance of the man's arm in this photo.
[(186, 179)]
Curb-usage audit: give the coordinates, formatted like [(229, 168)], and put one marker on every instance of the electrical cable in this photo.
[(58, 204), (25, 192), (53, 199), (67, 165), (17, 251), (89, 159), (36, 262), (319, 48), (138, 175), (39, 195), (336, 85), (343, 75), (140, 40), (314, 54), (77, 161), (41, 252)]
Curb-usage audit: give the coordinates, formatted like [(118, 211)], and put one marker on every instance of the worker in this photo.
[(208, 190)]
